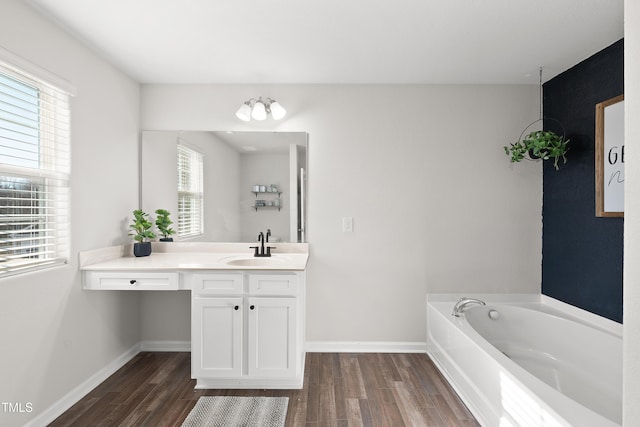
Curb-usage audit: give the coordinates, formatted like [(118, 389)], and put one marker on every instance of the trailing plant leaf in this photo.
[(539, 144)]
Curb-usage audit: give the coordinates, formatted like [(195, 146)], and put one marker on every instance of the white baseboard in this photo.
[(165, 345), (71, 398), (365, 347)]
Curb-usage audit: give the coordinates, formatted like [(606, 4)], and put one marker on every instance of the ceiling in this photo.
[(341, 41)]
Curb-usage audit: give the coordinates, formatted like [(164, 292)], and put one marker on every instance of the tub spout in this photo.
[(463, 303)]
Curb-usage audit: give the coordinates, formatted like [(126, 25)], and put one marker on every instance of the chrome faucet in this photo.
[(462, 303), (260, 250)]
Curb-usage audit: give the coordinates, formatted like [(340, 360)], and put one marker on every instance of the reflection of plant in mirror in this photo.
[(141, 227), (539, 145), (163, 222)]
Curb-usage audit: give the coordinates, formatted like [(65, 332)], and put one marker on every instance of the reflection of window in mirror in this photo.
[(190, 192)]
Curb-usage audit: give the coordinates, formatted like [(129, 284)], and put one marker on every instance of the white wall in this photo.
[(54, 335), (159, 173), (266, 169), (437, 206), (222, 166), (631, 318)]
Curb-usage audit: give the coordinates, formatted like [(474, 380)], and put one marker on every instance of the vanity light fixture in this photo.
[(259, 109)]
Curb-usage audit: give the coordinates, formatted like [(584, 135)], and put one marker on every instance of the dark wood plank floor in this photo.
[(340, 389)]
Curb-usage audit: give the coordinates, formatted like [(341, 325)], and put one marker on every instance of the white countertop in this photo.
[(174, 256)]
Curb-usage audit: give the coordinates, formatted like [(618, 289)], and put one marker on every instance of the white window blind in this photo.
[(34, 173), (190, 191)]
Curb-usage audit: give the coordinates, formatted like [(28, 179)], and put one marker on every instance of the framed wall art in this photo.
[(609, 165)]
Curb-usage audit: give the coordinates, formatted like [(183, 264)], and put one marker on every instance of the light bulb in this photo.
[(244, 112), (277, 111), (259, 111)]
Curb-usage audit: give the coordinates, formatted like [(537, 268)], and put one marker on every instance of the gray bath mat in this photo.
[(234, 411)]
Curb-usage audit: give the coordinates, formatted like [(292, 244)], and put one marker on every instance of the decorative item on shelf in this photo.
[(259, 109), (273, 188), (539, 144), (163, 222), (276, 203), (141, 232)]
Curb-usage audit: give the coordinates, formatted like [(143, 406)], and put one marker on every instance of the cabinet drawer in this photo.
[(130, 281), (273, 284), (216, 284)]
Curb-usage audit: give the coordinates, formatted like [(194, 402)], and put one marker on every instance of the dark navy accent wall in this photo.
[(581, 254)]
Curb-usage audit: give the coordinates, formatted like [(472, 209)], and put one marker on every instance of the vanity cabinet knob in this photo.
[(236, 307), (132, 281), (252, 307)]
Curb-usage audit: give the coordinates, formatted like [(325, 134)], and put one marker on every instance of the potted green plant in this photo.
[(163, 222), (141, 232), (539, 144)]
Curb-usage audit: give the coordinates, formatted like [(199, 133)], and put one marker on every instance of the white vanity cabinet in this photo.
[(247, 313), (247, 329)]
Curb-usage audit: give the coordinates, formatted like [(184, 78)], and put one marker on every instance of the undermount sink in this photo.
[(256, 261)]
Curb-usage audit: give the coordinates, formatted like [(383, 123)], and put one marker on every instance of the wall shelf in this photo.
[(271, 203), (267, 192), (256, 207)]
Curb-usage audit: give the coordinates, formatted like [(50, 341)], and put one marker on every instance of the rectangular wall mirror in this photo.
[(251, 182)]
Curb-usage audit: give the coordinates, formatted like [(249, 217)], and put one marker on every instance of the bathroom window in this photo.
[(34, 173), (190, 192)]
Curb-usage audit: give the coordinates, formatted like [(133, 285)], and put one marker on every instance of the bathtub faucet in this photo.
[(463, 303)]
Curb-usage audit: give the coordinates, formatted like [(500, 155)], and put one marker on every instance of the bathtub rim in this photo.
[(552, 305), (484, 411)]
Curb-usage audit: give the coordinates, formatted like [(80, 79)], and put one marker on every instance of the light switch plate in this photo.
[(347, 225)]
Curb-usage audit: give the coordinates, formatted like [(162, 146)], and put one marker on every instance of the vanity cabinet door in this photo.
[(272, 336), (216, 337)]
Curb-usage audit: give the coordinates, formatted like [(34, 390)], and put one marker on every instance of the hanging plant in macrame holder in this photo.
[(539, 144)]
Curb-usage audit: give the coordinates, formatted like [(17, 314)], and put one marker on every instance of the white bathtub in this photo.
[(540, 363)]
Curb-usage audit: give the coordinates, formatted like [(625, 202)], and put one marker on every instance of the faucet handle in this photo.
[(269, 250), (256, 250)]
